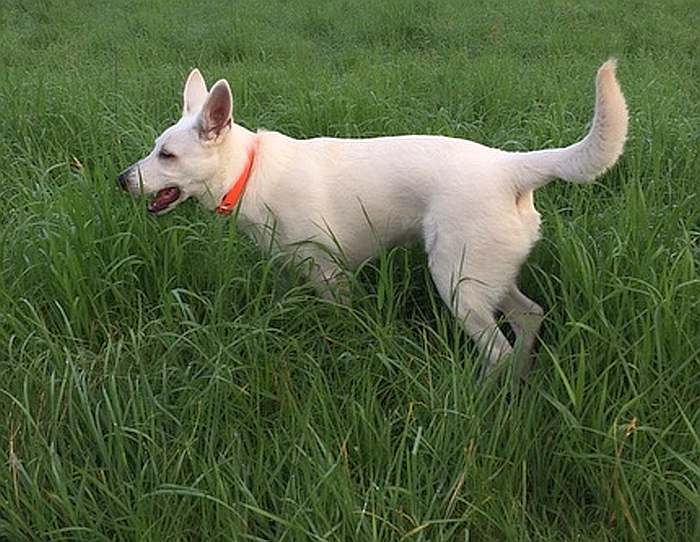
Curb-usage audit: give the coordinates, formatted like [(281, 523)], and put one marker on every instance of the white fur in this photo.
[(337, 200)]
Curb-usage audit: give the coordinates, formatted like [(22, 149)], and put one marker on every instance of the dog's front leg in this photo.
[(330, 281)]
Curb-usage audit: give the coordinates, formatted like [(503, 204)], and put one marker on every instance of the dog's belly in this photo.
[(361, 241), (353, 237)]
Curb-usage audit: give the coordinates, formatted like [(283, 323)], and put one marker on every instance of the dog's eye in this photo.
[(166, 155)]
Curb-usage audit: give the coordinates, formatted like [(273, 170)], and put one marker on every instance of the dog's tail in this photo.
[(589, 158)]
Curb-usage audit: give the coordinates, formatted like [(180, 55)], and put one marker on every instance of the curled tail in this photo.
[(589, 158)]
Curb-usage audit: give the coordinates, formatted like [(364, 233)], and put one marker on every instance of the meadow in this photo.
[(163, 379)]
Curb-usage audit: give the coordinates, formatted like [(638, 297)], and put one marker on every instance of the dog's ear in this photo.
[(215, 117), (194, 94)]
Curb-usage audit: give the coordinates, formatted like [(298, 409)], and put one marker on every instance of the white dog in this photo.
[(341, 200)]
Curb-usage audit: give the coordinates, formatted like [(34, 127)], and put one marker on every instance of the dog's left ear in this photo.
[(194, 94), (215, 117)]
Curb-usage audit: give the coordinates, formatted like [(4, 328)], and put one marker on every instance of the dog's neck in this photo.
[(234, 156)]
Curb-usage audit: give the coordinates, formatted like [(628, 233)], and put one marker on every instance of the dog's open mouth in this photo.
[(163, 199)]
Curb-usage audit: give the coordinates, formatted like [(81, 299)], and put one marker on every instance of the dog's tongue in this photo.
[(162, 199)]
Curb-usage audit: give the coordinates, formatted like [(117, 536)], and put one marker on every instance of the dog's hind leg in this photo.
[(481, 326), (525, 318), (472, 301)]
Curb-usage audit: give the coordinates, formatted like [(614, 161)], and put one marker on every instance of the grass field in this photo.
[(165, 380)]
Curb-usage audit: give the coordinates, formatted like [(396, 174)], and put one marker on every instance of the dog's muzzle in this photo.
[(123, 180)]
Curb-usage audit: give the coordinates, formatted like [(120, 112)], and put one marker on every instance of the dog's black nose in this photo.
[(122, 179)]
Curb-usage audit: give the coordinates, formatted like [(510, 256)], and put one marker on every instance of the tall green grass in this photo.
[(165, 380)]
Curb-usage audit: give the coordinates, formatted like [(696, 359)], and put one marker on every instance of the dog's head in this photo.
[(187, 155)]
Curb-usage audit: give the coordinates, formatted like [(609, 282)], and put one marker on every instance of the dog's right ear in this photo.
[(215, 117), (195, 93)]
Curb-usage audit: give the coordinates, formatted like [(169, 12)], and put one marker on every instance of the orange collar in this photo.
[(230, 199)]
